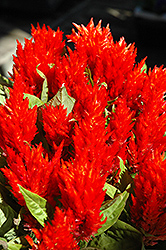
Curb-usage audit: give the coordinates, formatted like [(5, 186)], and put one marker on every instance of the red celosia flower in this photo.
[(149, 202), (121, 125), (28, 169), (70, 71), (151, 123), (17, 121), (81, 181), (109, 62), (57, 125), (57, 235), (43, 50), (81, 186), (92, 40)]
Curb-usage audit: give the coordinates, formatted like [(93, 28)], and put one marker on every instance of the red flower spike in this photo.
[(43, 50), (57, 125), (57, 235), (17, 121), (92, 40), (81, 186), (121, 125), (81, 181), (148, 209), (151, 123), (108, 61), (28, 168)]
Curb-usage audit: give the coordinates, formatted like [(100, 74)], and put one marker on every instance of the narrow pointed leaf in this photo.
[(122, 167), (112, 210), (44, 94), (35, 204)]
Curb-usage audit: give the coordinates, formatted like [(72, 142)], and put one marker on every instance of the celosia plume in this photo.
[(57, 235), (148, 209), (18, 121), (42, 51), (28, 167)]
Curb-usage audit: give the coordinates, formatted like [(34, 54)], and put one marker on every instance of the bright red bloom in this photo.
[(108, 62), (151, 123), (92, 40), (17, 121), (149, 201), (81, 181), (70, 71), (43, 50), (57, 125), (81, 186), (120, 124), (57, 235), (28, 168)]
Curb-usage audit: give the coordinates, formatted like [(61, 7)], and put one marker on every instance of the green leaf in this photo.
[(122, 167), (112, 210), (44, 94), (5, 81), (3, 244), (144, 68), (63, 98), (33, 100), (2, 95), (7, 215), (35, 204), (11, 234), (111, 190), (13, 246), (121, 236)]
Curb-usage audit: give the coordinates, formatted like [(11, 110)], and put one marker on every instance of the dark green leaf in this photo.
[(7, 215), (36, 205), (63, 98), (112, 210), (33, 100), (121, 236)]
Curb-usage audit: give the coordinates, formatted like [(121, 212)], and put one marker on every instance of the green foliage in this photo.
[(36, 205), (144, 68), (33, 100), (5, 81), (63, 98), (44, 94), (112, 209), (111, 190), (121, 236), (7, 215)]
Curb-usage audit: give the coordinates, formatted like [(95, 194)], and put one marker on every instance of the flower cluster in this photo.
[(68, 145)]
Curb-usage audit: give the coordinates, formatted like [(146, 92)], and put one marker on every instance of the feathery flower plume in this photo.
[(57, 235)]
